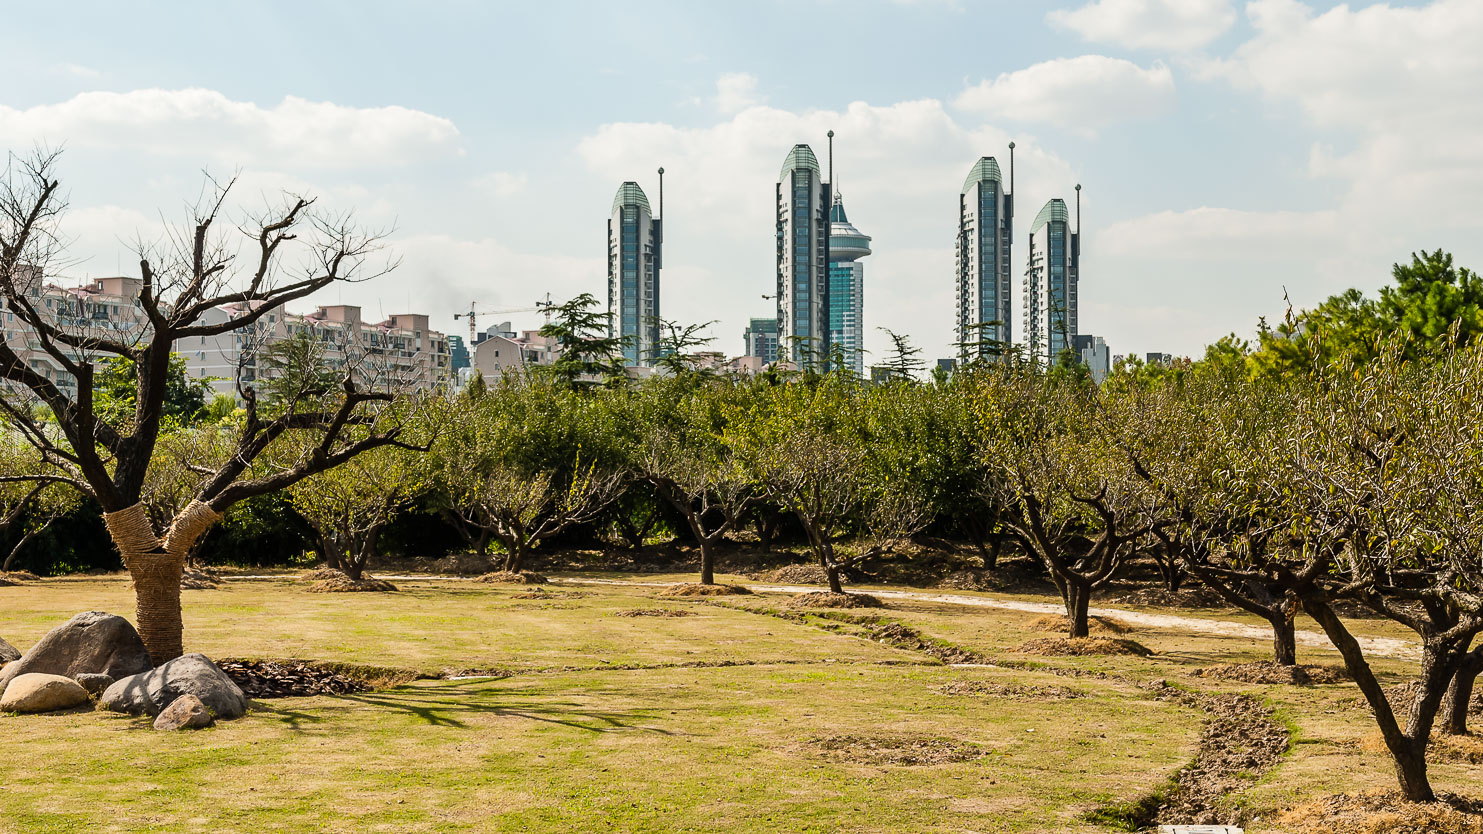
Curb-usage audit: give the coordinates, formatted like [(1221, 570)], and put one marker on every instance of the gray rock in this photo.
[(184, 713), (7, 652), (90, 643), (193, 674), (42, 693), (93, 683)]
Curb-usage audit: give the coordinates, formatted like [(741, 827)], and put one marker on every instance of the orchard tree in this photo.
[(350, 505), (292, 249)]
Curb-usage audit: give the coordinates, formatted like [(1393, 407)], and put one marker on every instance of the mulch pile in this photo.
[(1096, 625), (288, 679), (905, 750), (653, 612), (828, 599), (1269, 672), (509, 577), (335, 582), (966, 580), (1194, 596), (797, 575), (1082, 647), (1012, 691), (540, 592), (696, 589), (899, 636), (1238, 743), (196, 579), (1384, 813), (16, 577), (461, 564)]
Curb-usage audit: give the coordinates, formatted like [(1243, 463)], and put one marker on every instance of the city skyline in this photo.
[(1228, 149)]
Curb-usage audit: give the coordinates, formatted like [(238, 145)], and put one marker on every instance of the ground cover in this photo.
[(743, 716)]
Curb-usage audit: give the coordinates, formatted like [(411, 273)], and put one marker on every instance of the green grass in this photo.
[(633, 723)]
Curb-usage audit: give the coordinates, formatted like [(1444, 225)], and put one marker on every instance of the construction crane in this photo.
[(543, 305)]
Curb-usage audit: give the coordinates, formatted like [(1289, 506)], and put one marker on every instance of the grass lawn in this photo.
[(707, 722)]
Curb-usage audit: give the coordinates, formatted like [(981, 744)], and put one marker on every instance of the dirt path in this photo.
[(1384, 646)]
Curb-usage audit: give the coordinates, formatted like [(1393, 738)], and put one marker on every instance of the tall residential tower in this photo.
[(803, 203), (985, 230), (847, 288), (635, 239), (1050, 283)]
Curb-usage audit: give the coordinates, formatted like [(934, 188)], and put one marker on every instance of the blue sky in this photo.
[(1229, 152)]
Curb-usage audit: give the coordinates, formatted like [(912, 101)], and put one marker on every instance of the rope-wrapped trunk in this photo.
[(156, 566)]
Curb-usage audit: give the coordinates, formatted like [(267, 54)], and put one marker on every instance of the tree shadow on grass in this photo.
[(450, 705)]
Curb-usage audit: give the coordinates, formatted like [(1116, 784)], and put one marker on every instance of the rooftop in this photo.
[(1054, 212), (802, 156), (629, 194), (985, 169)]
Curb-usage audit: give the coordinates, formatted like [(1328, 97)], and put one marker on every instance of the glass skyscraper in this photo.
[(634, 246), (803, 203), (985, 229), (761, 337), (1050, 284), (847, 288)]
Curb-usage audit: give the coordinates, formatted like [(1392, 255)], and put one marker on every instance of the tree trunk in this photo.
[(157, 597), (1284, 639), (1460, 694), (833, 573), (514, 557), (14, 551), (991, 558), (707, 561), (1079, 600)]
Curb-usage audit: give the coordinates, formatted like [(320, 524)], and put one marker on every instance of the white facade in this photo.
[(984, 288), (802, 259), (1050, 286)]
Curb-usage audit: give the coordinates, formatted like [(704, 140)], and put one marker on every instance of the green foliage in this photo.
[(590, 354), (116, 386)]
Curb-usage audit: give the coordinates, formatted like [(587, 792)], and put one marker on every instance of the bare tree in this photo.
[(293, 250), (350, 505)]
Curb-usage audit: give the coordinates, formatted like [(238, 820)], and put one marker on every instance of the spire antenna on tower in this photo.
[(831, 158), (661, 192), (1078, 208), (1011, 167)]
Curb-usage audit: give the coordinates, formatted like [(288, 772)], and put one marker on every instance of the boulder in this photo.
[(42, 693), (7, 652), (90, 643), (94, 683), (184, 713), (193, 674)]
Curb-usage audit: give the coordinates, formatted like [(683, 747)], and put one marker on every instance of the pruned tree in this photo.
[(350, 505), (182, 284), (525, 463), (1076, 504)]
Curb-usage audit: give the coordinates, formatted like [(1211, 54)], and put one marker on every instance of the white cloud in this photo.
[(1082, 94), (736, 91), (899, 168), (205, 125), (504, 183), (1173, 25)]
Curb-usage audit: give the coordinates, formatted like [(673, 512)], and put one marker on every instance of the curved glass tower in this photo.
[(802, 260), (633, 274), (1050, 283), (847, 245), (985, 229)]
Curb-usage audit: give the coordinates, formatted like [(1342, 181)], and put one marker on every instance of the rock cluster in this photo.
[(149, 693), (35, 692), (89, 643)]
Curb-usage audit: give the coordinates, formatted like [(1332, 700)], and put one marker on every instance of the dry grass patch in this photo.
[(1383, 813), (539, 592), (510, 577), (1096, 625), (798, 575), (697, 589), (1451, 749), (1082, 647), (1273, 673), (902, 750), (653, 612), (829, 599)]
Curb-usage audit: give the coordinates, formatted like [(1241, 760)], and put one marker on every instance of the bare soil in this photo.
[(901, 750), (1238, 744), (541, 592), (1012, 691), (696, 589), (1384, 813), (653, 612), (197, 579), (1193, 596), (966, 580), (1096, 625), (1082, 646), (461, 564), (797, 574), (828, 599), (1273, 673), (507, 577)]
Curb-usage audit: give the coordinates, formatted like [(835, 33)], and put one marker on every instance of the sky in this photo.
[(1233, 157)]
